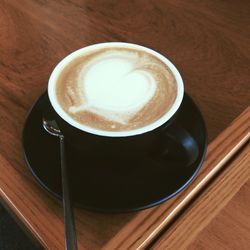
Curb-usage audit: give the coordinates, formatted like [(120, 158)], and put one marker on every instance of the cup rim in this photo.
[(53, 100)]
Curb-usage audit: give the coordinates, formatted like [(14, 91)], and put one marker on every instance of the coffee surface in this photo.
[(116, 89)]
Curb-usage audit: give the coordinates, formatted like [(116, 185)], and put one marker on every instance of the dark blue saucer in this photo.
[(112, 186)]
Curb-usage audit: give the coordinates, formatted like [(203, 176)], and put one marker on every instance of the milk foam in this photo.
[(115, 89), (114, 86)]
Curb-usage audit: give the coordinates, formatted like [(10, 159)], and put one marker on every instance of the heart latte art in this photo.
[(116, 89)]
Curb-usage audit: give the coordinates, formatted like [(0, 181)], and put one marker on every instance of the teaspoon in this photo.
[(69, 226)]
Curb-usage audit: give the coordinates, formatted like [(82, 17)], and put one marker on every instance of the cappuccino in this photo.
[(115, 88)]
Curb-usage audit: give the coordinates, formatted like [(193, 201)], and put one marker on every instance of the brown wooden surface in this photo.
[(208, 41), (230, 229), (220, 217)]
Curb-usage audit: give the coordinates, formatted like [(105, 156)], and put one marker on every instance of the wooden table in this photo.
[(208, 41)]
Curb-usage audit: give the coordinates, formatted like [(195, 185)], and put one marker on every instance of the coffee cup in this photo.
[(120, 99)]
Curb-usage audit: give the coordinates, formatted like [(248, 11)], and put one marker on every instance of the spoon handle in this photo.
[(69, 225)]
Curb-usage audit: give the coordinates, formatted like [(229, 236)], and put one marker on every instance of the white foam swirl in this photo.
[(113, 86)]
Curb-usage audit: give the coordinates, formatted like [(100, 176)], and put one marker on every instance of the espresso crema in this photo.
[(116, 89)]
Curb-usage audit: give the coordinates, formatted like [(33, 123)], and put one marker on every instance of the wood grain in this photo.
[(205, 40), (148, 224), (211, 211), (230, 229)]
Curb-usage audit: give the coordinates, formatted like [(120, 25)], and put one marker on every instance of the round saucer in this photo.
[(113, 186)]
